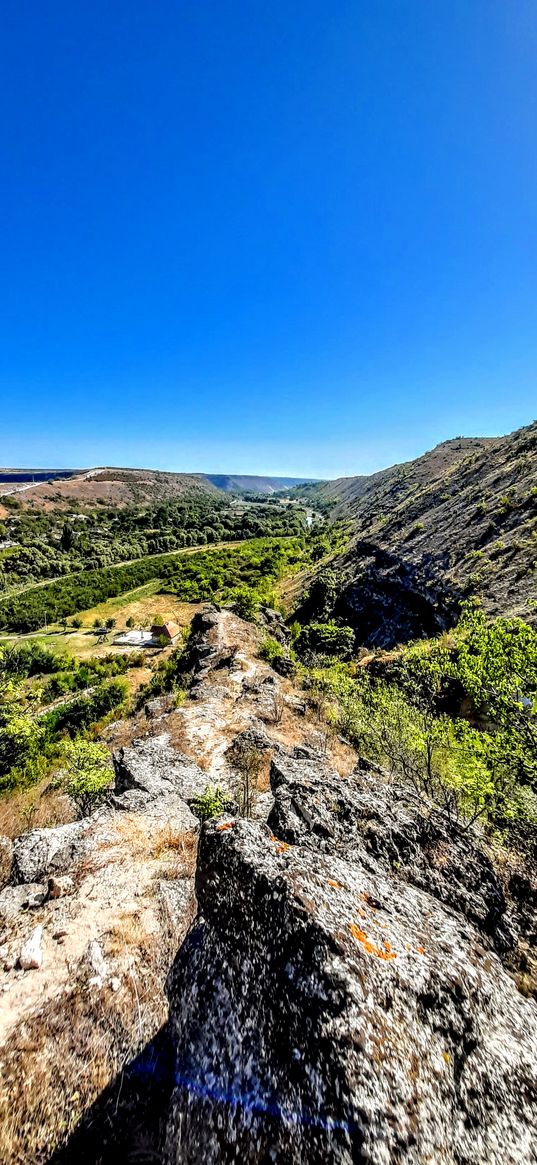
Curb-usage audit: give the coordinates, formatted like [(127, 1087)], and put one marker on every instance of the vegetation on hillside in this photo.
[(204, 575), (34, 723), (52, 545), (455, 716), (48, 698), (459, 521)]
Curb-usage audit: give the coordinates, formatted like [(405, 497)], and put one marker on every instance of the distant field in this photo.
[(141, 604), (29, 608)]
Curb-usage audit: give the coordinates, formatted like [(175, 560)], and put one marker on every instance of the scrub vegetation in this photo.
[(454, 716)]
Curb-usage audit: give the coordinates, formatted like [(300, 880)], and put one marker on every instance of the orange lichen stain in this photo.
[(387, 946), (420, 950), (224, 825), (335, 885), (281, 848), (370, 947), (446, 1056)]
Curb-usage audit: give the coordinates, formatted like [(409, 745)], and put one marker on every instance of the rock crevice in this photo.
[(335, 1003)]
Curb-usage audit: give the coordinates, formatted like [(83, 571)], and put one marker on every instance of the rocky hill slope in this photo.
[(457, 522), (347, 991), (368, 1017), (92, 912)]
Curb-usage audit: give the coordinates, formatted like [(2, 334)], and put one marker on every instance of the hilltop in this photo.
[(58, 489), (247, 483), (101, 486), (325, 933)]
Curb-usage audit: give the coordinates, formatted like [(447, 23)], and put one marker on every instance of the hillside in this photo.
[(246, 483), (327, 943), (100, 486), (460, 521), (50, 489)]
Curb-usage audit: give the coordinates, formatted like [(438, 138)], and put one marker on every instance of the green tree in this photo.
[(67, 539), (326, 639), (322, 594), (88, 773), (211, 803), (245, 603), (19, 740)]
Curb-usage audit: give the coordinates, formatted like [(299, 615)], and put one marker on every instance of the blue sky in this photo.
[(265, 237)]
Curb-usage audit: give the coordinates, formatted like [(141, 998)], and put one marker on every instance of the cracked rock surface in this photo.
[(337, 1003)]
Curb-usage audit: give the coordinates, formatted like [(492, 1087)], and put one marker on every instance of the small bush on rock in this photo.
[(325, 639), (211, 803), (270, 649)]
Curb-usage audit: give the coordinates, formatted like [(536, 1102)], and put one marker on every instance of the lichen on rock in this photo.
[(327, 1007)]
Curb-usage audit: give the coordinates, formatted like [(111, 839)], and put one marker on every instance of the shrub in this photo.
[(270, 649), (166, 677), (88, 773), (85, 710), (32, 659), (322, 595), (485, 768), (20, 737), (211, 803), (325, 639), (245, 603)]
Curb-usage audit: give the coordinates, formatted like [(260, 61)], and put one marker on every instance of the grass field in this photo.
[(141, 604)]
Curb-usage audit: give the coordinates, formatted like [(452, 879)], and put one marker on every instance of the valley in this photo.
[(330, 756)]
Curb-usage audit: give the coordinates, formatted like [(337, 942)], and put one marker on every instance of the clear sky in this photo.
[(265, 236)]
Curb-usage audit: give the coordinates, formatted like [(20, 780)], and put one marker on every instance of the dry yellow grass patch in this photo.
[(56, 1064), (179, 842), (34, 808)]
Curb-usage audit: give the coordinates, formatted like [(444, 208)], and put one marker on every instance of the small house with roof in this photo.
[(167, 632), (160, 635)]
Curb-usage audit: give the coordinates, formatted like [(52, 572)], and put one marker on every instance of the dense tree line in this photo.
[(51, 545), (192, 577)]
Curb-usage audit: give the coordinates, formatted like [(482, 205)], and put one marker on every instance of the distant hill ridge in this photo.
[(248, 483), (116, 486)]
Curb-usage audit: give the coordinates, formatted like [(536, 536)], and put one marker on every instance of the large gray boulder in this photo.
[(377, 822), (44, 852), (326, 1008), (152, 769)]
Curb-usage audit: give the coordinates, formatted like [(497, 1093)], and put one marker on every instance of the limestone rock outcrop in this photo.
[(339, 998)]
